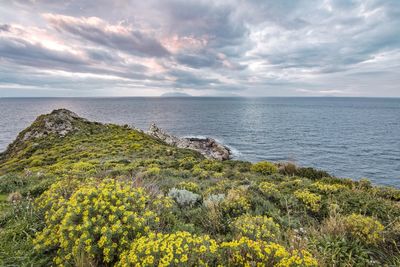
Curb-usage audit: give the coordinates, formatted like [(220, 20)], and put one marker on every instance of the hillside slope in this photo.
[(81, 193)]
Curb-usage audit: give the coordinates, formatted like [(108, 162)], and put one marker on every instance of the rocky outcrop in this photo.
[(59, 122), (62, 122), (208, 147)]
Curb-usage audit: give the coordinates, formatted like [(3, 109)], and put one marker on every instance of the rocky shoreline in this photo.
[(208, 147)]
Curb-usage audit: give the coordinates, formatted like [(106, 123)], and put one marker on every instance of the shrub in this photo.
[(364, 183), (183, 197), (98, 220), (311, 173), (236, 202), (311, 200), (387, 192), (190, 186), (336, 250), (247, 252), (328, 188), (214, 200), (10, 183), (264, 167), (153, 171), (14, 197), (365, 228), (185, 249), (211, 165), (176, 249), (187, 163), (268, 189), (288, 168), (256, 227), (54, 203)]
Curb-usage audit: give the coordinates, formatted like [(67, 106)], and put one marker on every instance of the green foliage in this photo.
[(311, 173), (344, 252), (264, 167)]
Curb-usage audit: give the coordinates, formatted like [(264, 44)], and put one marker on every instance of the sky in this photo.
[(204, 48)]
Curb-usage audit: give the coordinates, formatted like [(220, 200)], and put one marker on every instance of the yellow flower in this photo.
[(311, 200)]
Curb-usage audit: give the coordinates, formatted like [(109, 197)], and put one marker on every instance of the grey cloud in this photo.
[(188, 79), (131, 41), (23, 53), (4, 27), (26, 53), (198, 60)]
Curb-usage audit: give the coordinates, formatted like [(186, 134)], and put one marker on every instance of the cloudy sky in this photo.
[(218, 48)]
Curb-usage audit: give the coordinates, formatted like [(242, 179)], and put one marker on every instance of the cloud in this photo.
[(4, 27), (251, 48), (118, 37)]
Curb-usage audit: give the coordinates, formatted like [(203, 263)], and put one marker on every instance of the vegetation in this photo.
[(108, 195)]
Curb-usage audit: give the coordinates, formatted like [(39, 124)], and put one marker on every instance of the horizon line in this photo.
[(191, 96)]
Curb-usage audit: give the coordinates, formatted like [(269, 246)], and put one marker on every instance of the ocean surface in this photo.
[(348, 137)]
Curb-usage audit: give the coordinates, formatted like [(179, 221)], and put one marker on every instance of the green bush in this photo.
[(311, 173)]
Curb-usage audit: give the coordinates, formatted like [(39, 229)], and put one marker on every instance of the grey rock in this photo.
[(60, 122), (208, 147)]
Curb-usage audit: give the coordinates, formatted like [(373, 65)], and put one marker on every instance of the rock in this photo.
[(208, 147), (59, 122)]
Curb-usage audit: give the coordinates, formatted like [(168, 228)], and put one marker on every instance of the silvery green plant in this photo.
[(183, 197)]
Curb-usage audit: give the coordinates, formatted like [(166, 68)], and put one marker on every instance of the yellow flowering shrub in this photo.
[(264, 167), (256, 227), (236, 202), (176, 249), (328, 188), (187, 163), (54, 203), (218, 188), (185, 249), (311, 200), (247, 252), (155, 170), (364, 228), (268, 189), (99, 220), (190, 186)]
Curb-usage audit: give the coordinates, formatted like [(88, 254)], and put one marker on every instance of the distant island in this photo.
[(176, 94)]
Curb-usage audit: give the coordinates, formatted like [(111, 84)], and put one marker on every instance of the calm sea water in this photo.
[(349, 137)]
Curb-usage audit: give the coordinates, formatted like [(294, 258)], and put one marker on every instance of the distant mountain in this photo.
[(175, 94)]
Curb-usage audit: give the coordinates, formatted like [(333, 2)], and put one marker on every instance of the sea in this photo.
[(348, 137)]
